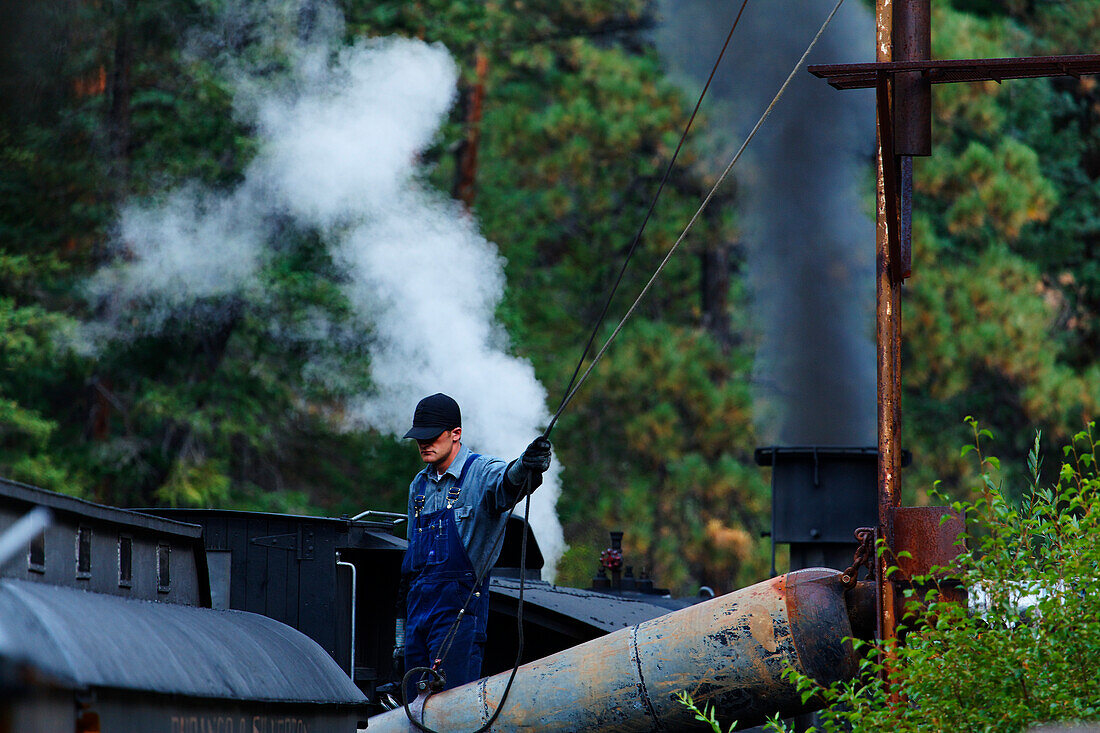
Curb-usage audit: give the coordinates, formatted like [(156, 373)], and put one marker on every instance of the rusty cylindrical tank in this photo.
[(729, 651)]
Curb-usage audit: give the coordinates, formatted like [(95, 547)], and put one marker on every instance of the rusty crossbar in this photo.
[(865, 75)]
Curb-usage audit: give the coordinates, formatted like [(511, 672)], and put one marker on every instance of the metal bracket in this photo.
[(926, 541), (416, 707), (900, 267)]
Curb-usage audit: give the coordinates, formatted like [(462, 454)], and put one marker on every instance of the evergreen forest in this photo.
[(131, 374)]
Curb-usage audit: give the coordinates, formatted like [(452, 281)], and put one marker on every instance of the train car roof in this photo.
[(565, 608), (98, 641), (244, 513), (15, 492), (360, 533)]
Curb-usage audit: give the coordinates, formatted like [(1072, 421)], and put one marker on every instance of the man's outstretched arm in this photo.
[(522, 476)]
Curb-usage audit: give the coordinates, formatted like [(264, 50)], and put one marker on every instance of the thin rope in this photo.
[(652, 206), (569, 397)]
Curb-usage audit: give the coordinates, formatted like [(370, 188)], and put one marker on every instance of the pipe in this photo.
[(729, 651), (354, 583)]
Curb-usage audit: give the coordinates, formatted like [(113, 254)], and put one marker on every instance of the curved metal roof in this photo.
[(92, 640), (189, 513), (602, 612)]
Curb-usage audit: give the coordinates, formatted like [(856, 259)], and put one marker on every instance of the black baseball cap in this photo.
[(434, 414)]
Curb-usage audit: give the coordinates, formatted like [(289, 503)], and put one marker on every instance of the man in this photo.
[(458, 507)]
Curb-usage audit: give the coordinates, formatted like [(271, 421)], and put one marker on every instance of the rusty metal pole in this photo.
[(888, 325)]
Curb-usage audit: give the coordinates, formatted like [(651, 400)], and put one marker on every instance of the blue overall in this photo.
[(441, 577)]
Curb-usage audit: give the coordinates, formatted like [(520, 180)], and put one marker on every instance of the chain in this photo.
[(865, 553)]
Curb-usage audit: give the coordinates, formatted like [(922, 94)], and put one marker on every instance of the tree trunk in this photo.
[(121, 92), (714, 285), (466, 174)]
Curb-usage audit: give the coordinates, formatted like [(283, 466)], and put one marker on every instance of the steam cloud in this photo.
[(809, 240), (339, 139)]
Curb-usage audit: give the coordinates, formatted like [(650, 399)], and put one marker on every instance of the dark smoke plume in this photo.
[(804, 201)]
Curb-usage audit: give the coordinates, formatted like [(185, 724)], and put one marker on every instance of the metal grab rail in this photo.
[(354, 583)]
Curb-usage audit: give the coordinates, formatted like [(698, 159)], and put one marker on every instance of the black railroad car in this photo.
[(335, 580), (106, 625)]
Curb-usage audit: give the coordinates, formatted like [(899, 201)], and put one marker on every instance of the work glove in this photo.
[(537, 456), (534, 462)]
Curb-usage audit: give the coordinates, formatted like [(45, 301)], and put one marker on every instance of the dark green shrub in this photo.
[(1026, 648)]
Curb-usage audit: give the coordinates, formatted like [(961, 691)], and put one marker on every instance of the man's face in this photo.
[(440, 451)]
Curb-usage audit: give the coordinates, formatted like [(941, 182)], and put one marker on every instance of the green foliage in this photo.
[(686, 491), (1026, 648), (994, 193), (706, 715), (1000, 312), (28, 357), (104, 102), (222, 404)]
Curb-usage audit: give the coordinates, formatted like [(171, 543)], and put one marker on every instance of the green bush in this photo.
[(705, 715), (1025, 649)]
